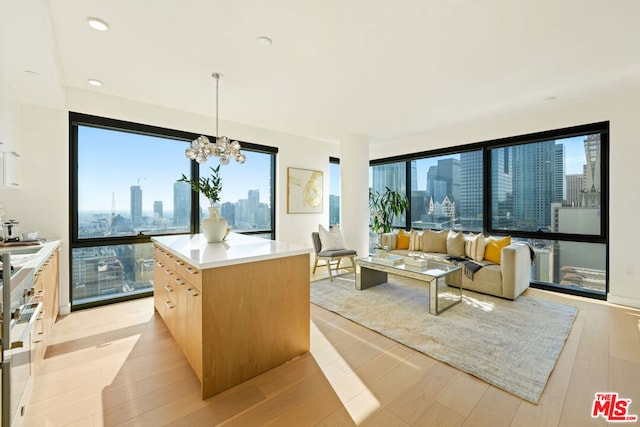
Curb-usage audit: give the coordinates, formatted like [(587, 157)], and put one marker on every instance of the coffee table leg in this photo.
[(367, 278)]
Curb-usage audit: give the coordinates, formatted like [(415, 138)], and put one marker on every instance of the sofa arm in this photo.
[(515, 267)]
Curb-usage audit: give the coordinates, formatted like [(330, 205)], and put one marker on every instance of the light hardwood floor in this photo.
[(119, 365)]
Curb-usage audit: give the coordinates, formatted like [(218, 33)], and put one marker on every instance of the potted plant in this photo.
[(384, 207), (214, 227)]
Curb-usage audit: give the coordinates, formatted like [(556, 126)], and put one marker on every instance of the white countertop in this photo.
[(235, 249)]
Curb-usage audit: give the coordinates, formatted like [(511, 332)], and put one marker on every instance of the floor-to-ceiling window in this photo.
[(549, 192), (334, 191), (549, 189), (124, 190)]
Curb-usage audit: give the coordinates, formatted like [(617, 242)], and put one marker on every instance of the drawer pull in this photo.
[(168, 288), (179, 262), (191, 292), (179, 281), (191, 271), (168, 272), (159, 264), (40, 294), (168, 304)]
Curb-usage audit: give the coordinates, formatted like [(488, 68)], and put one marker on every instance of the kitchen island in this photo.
[(236, 308)]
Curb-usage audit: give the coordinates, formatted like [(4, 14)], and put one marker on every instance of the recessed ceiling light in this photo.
[(94, 82), (264, 41), (97, 24)]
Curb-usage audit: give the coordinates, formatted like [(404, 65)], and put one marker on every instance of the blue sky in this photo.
[(110, 162)]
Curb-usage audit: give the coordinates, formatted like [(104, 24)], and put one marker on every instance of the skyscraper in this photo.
[(157, 211), (443, 180), (538, 181), (470, 205), (334, 209), (592, 183), (136, 205), (575, 184), (181, 204), (392, 175), (502, 187)]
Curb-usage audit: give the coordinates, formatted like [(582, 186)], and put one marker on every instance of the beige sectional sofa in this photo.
[(505, 272)]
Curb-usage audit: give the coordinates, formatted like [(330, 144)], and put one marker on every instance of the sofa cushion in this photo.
[(434, 241), (487, 280), (415, 240), (403, 240), (455, 243), (474, 246), (390, 240), (493, 251)]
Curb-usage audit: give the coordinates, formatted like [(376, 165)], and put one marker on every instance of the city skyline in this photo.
[(110, 162)]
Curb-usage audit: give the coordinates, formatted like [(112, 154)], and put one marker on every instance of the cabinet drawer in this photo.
[(193, 276)]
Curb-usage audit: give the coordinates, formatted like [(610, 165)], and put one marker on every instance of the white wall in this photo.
[(9, 117), (621, 109)]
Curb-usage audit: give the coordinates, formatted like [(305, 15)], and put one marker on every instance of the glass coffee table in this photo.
[(444, 280)]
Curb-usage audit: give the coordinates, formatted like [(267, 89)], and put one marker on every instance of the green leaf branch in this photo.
[(209, 186)]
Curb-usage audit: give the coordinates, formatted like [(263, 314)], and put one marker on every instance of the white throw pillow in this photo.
[(331, 240), (474, 246)]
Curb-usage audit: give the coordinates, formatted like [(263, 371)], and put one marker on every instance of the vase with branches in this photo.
[(214, 227)]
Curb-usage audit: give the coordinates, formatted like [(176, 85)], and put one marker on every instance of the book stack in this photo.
[(416, 262), (389, 260)]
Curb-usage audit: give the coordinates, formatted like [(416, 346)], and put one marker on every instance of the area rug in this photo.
[(513, 345)]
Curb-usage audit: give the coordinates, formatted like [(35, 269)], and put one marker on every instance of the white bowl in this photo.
[(29, 236)]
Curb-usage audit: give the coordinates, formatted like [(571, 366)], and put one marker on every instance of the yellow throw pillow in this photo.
[(415, 240), (404, 238), (493, 251)]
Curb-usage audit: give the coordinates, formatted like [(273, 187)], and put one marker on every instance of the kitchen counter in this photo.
[(26, 260), (235, 249)]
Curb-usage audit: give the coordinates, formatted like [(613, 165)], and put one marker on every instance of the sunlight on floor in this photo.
[(118, 360), (357, 399), (482, 305)]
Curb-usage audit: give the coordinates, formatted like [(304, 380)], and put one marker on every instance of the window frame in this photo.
[(80, 119), (601, 128)]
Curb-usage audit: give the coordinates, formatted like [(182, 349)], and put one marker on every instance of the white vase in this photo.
[(214, 227)]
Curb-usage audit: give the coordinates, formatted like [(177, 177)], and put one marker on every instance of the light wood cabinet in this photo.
[(46, 281), (179, 304), (237, 321)]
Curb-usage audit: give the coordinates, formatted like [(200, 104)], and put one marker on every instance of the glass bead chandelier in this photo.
[(201, 148)]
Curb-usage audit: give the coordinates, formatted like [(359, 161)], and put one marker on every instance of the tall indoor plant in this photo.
[(384, 207), (214, 227)]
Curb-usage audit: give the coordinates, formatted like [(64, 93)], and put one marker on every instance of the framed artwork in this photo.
[(304, 191)]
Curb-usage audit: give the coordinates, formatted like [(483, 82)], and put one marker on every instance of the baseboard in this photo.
[(64, 309), (630, 302)]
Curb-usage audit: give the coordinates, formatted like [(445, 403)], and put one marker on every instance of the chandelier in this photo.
[(201, 148)]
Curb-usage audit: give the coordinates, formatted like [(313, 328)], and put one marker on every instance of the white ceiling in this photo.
[(336, 67)]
